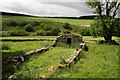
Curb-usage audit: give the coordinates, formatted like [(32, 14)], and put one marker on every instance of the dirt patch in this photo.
[(82, 25)]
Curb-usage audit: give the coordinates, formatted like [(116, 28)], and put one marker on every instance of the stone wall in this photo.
[(71, 37)]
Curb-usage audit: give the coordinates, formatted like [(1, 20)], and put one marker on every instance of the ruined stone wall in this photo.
[(74, 38)]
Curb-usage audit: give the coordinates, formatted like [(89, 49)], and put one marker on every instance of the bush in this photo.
[(84, 31), (4, 34), (55, 32), (34, 23), (42, 25), (5, 47), (67, 32), (40, 33), (29, 28), (11, 23), (22, 22), (47, 28), (18, 33), (67, 26)]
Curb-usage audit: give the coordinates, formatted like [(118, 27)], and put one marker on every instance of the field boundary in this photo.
[(68, 62), (18, 59), (15, 40)]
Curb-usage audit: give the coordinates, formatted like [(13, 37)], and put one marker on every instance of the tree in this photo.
[(29, 28), (104, 24), (67, 26)]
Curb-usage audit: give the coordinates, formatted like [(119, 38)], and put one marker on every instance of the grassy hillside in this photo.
[(71, 21), (17, 24), (54, 22)]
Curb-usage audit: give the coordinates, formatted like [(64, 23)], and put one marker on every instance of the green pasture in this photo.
[(11, 49), (98, 38), (71, 21), (38, 64), (54, 37), (45, 21), (100, 61), (31, 37), (62, 20)]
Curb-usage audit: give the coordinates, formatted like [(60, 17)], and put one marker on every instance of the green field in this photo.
[(100, 61), (31, 37), (54, 37), (62, 20), (37, 65), (48, 21), (97, 58), (18, 48), (71, 21)]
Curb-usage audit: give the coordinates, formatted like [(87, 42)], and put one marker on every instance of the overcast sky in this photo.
[(68, 8)]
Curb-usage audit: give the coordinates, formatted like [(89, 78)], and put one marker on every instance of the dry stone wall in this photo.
[(69, 38)]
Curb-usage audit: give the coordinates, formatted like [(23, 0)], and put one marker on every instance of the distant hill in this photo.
[(88, 17), (13, 14), (81, 17)]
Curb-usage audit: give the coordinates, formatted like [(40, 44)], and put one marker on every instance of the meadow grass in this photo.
[(5, 21), (100, 61), (71, 21), (54, 37), (98, 38), (15, 49), (62, 20), (31, 37), (37, 65)]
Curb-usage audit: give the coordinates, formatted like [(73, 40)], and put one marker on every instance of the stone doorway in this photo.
[(68, 40)]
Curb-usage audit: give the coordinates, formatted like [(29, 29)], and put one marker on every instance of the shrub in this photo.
[(29, 28), (11, 23), (22, 22), (18, 33), (42, 25), (47, 28), (5, 47), (67, 26), (84, 31), (55, 32), (40, 33), (4, 34), (34, 23), (67, 32)]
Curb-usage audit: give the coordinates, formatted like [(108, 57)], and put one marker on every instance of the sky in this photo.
[(61, 8)]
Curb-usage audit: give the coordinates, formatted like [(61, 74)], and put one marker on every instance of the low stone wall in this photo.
[(18, 59), (68, 62), (27, 55), (53, 44), (71, 37)]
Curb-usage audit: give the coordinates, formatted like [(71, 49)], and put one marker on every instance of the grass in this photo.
[(54, 37), (71, 21), (53, 24), (31, 37), (101, 61), (37, 65), (18, 48), (98, 38)]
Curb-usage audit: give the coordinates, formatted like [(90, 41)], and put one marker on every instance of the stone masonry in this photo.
[(69, 38)]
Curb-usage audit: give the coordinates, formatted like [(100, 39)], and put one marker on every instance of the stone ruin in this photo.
[(69, 38)]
